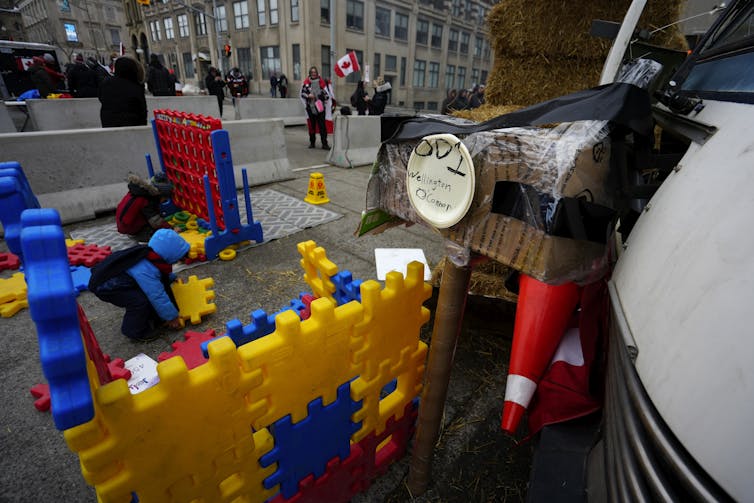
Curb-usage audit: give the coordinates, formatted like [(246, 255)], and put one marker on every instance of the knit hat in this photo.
[(162, 184), (49, 58)]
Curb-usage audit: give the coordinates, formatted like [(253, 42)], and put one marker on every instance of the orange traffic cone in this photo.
[(542, 316)]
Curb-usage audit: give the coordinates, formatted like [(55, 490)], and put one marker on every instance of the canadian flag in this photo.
[(347, 64)]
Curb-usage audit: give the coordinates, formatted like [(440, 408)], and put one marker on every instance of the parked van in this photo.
[(679, 393), (15, 58)]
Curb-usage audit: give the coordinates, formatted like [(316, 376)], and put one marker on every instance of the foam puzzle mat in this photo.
[(280, 215)]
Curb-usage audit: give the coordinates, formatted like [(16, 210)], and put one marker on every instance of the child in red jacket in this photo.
[(138, 213)]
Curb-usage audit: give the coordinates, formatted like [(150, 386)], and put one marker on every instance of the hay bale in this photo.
[(487, 279)]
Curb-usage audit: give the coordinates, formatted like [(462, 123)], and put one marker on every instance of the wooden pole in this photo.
[(447, 327)]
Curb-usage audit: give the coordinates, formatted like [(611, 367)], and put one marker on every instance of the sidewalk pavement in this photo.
[(473, 460)]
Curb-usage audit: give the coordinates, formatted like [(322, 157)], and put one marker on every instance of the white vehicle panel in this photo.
[(686, 286)]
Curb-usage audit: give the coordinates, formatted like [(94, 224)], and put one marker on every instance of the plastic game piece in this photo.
[(88, 255), (117, 368), (227, 254), (73, 242), (190, 348), (53, 308), (99, 360), (261, 324), (42, 394), (13, 295), (9, 260), (307, 300), (80, 276), (318, 269), (8, 309), (193, 298), (306, 446), (346, 288), (15, 197)]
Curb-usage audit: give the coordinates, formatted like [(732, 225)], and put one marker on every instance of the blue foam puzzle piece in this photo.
[(305, 447), (80, 275), (234, 231), (346, 288), (261, 324), (52, 304), (15, 197), (15, 170)]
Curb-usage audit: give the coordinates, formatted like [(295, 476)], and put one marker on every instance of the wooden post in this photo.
[(448, 318)]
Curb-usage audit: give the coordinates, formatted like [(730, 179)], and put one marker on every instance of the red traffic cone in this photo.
[(542, 316)]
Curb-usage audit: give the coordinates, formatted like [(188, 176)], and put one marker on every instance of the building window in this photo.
[(169, 32), (391, 63), (188, 64), (450, 77), (183, 28), (403, 71), (418, 105), (401, 26), (355, 15), (244, 59), (478, 43), (325, 66), (475, 77), (434, 75), (482, 16), (324, 11), (221, 19), (200, 23), (456, 8), (241, 14), (296, 50), (354, 77), (261, 13), (294, 12), (453, 41), (437, 35), (273, 12), (377, 64), (465, 42), (422, 31), (483, 79), (461, 77), (270, 58), (71, 35), (115, 34), (173, 65), (469, 11), (419, 68), (154, 28), (382, 22), (486, 49), (432, 106)]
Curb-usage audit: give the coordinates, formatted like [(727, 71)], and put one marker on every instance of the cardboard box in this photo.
[(570, 160)]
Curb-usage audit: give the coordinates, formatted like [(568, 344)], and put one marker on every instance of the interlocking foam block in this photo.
[(193, 298), (190, 348), (117, 368), (306, 300), (318, 351), (80, 276), (185, 439), (88, 255), (195, 239), (52, 303), (15, 197), (9, 309), (346, 288), (383, 449), (305, 447), (105, 370), (73, 242), (318, 269), (9, 261), (42, 394), (393, 318), (13, 288)]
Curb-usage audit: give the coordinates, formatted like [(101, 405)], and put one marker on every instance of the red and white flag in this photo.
[(347, 64)]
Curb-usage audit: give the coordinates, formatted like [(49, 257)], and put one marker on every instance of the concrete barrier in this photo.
[(83, 172), (355, 142), (291, 110), (6, 122), (83, 113)]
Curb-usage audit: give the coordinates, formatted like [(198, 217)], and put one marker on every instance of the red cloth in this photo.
[(573, 386)]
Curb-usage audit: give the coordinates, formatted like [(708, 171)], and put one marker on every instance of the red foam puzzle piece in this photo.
[(87, 255), (307, 300), (42, 394), (117, 368), (9, 261), (189, 349)]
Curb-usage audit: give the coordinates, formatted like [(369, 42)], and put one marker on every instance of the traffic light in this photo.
[(144, 2), (226, 49)]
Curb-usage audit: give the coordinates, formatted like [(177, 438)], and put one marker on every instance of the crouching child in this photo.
[(139, 279), (138, 213)]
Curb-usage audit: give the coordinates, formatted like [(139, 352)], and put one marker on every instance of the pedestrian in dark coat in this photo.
[(273, 85), (122, 96), (159, 81), (215, 84), (360, 98), (82, 81)]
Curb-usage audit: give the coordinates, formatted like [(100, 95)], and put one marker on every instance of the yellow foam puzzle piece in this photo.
[(73, 242), (13, 288), (194, 298), (195, 239), (8, 309), (318, 269)]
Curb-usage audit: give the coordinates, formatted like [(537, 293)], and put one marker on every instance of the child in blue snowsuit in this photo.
[(144, 287)]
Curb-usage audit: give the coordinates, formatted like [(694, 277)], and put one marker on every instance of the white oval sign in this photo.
[(440, 179)]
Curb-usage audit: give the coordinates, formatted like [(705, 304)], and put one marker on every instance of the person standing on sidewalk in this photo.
[(122, 95), (273, 85), (316, 94), (215, 84), (159, 81)]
